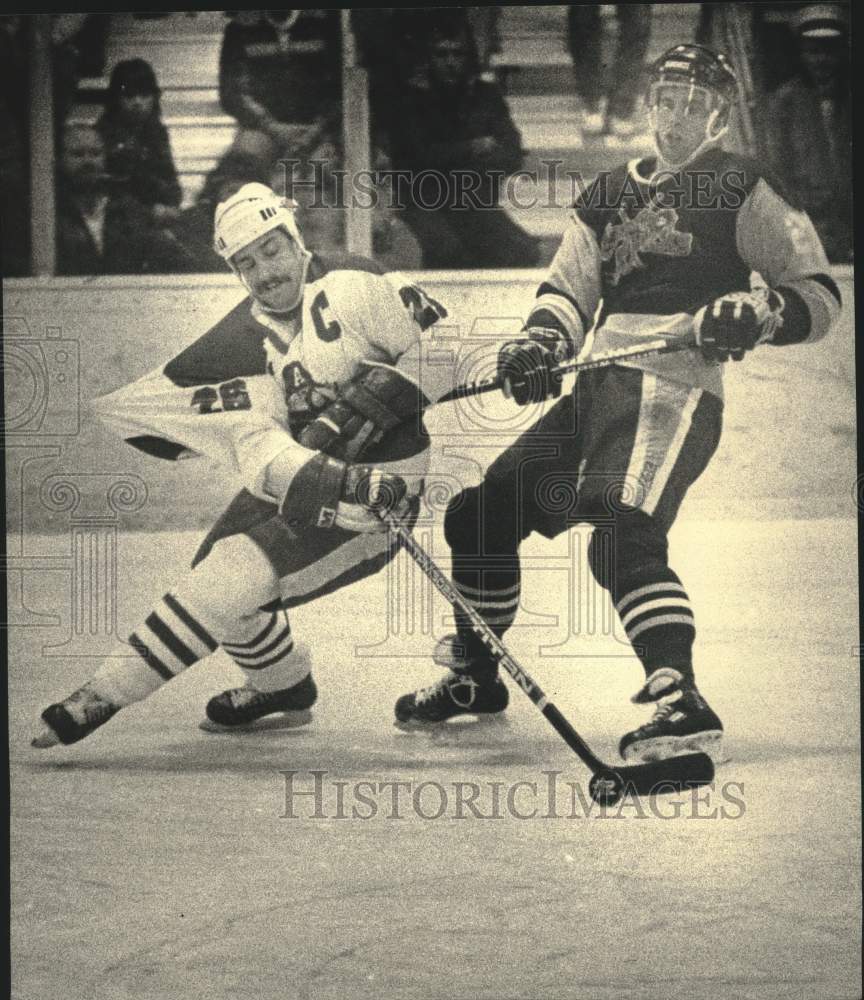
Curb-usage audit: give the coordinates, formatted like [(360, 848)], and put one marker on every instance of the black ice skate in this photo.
[(470, 688), (683, 722), (74, 718), (243, 708)]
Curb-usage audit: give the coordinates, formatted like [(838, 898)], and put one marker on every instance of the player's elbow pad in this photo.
[(811, 307)]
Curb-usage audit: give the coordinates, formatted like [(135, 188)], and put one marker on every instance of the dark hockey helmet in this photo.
[(695, 69), (698, 66)]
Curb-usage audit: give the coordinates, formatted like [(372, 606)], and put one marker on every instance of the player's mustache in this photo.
[(272, 283)]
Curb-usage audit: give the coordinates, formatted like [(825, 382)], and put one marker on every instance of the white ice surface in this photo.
[(154, 860)]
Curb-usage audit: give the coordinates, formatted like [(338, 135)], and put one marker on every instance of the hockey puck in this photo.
[(606, 788)]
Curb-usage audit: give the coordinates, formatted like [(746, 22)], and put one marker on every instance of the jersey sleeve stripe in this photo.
[(548, 289), (561, 313)]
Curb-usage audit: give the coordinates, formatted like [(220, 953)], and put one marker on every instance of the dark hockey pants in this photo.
[(620, 453)]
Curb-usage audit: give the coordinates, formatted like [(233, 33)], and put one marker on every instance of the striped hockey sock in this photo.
[(269, 658), (658, 620), (170, 639), (494, 595)]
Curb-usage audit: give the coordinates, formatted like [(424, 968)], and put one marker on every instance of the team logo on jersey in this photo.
[(304, 397), (650, 230)]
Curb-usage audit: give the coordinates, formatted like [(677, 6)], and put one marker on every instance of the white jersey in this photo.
[(241, 393)]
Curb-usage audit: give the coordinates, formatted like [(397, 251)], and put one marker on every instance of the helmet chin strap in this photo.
[(707, 141)]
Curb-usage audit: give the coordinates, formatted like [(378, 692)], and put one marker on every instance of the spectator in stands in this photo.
[(393, 46), (610, 93), (280, 75), (455, 122), (137, 149), (99, 231), (810, 127)]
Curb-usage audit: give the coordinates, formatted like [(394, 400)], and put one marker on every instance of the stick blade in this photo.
[(674, 774), (657, 777)]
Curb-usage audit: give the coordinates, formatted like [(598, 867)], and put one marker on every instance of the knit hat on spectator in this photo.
[(822, 20), (132, 76)]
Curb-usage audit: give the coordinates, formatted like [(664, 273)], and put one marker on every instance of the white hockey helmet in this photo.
[(250, 212)]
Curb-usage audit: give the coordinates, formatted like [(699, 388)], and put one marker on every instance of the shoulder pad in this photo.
[(721, 161), (320, 266)]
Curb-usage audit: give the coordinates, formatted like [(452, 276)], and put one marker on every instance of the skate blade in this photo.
[(45, 740), (279, 720), (461, 724), (664, 747)]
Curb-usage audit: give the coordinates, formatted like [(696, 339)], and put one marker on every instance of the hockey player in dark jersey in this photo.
[(311, 392), (660, 246)]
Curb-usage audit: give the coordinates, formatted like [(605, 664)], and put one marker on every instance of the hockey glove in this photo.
[(327, 492), (735, 323), (378, 399), (525, 367)]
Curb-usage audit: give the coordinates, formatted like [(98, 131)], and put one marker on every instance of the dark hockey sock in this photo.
[(493, 594), (484, 537), (656, 614)]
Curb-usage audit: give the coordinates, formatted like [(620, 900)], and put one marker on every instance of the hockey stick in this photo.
[(607, 783), (662, 346)]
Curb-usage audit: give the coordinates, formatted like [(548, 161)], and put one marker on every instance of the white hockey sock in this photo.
[(170, 640), (269, 658)]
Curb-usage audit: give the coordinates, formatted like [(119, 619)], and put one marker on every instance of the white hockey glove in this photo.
[(378, 399), (735, 323), (525, 366), (327, 492)]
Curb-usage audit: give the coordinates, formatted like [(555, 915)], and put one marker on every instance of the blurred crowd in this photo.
[(438, 109)]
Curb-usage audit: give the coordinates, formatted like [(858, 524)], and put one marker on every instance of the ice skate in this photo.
[(74, 718), (244, 708), (683, 722), (470, 689)]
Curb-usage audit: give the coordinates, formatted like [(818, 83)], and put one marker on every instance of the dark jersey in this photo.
[(648, 251), (670, 246)]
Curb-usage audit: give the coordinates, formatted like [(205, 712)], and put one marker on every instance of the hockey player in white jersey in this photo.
[(312, 391)]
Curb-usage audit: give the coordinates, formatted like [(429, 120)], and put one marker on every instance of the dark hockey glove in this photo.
[(327, 492), (730, 326), (378, 399), (525, 367)]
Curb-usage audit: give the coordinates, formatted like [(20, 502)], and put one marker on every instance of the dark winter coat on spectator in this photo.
[(438, 127), (291, 66), (131, 244), (451, 129)]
